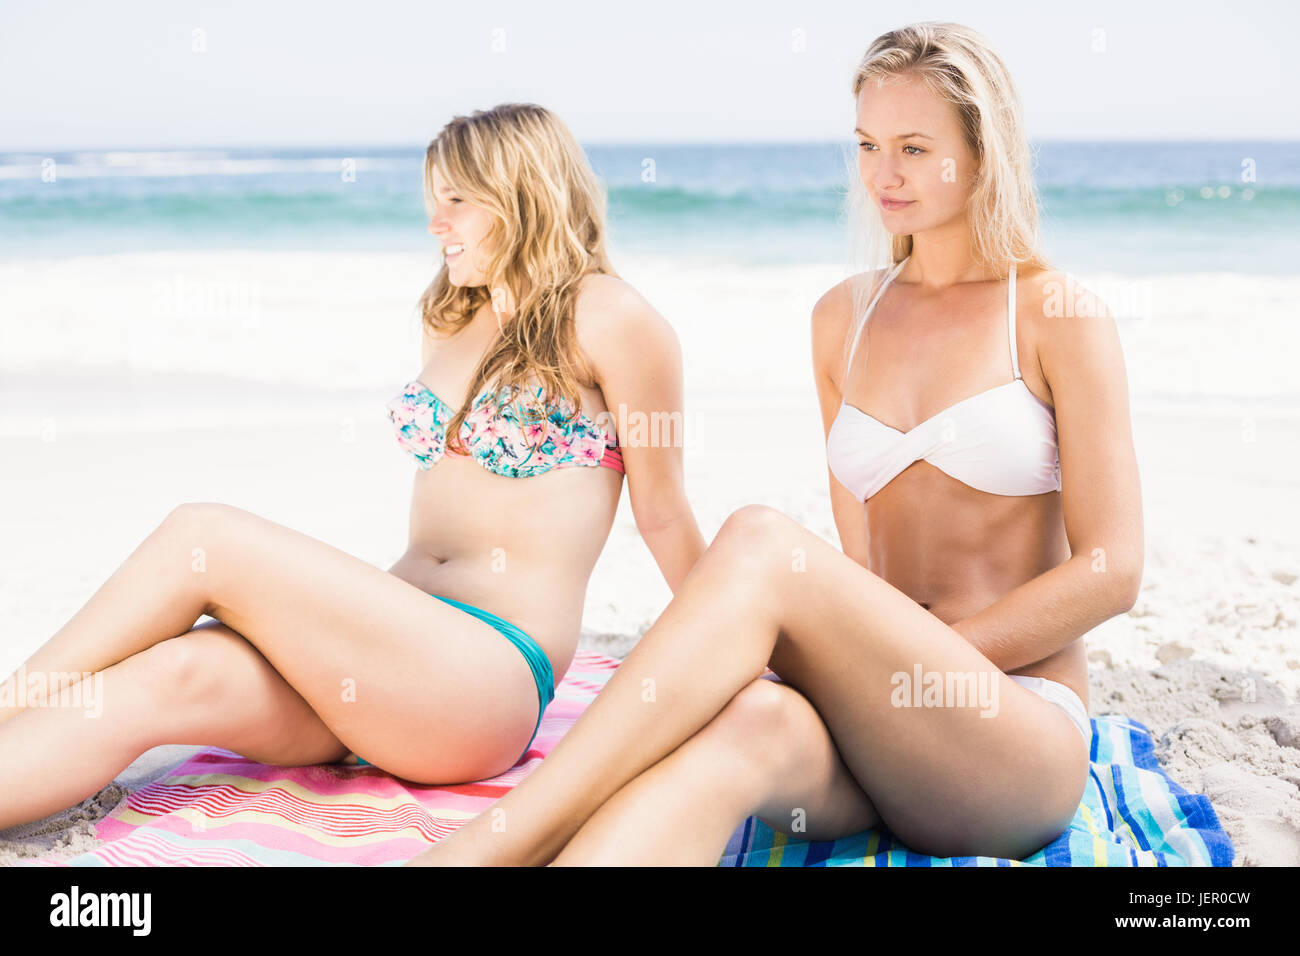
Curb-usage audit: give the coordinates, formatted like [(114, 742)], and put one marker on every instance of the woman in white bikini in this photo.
[(985, 490), (314, 654)]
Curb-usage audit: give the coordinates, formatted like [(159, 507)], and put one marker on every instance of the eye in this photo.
[(867, 146), (918, 149)]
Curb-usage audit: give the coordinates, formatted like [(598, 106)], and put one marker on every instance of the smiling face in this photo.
[(912, 156), (462, 229)]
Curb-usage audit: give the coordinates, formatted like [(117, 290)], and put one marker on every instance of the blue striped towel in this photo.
[(1132, 814)]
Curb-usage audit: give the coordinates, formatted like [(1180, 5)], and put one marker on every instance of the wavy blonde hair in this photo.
[(521, 163), (959, 65)]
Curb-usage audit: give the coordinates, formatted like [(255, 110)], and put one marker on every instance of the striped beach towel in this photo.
[(1132, 814), (221, 809)]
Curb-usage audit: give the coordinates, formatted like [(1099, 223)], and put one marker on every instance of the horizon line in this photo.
[(595, 143)]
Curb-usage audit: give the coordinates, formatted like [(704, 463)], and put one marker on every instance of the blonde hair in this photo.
[(957, 64), (521, 163)]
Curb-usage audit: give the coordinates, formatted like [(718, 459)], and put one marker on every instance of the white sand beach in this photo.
[(100, 438)]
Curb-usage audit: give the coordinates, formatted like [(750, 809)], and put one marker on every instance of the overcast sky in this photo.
[(135, 73)]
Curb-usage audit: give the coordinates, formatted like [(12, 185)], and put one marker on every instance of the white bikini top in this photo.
[(1002, 440)]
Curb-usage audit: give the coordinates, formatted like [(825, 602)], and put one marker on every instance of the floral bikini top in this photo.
[(498, 440)]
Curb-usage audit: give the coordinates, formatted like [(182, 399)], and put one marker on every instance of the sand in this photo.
[(113, 410), (1207, 658)]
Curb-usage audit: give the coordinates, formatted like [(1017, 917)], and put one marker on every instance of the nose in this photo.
[(885, 176), (438, 222)]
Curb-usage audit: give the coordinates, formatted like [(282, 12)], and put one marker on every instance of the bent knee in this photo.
[(180, 669), (752, 520), (201, 514), (190, 511), (757, 721), (750, 546)]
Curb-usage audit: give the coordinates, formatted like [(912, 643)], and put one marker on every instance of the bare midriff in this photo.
[(520, 548), (955, 550)]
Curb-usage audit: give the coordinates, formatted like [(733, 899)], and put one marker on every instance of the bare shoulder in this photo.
[(1064, 322), (832, 316), (1051, 291), (1046, 295), (831, 311), (614, 322)]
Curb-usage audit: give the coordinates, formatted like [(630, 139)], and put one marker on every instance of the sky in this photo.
[(148, 73)]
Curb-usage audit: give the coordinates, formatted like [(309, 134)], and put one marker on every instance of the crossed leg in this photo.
[(767, 754), (947, 780), (420, 688), (209, 687)]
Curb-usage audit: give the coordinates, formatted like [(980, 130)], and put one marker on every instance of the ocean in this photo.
[(140, 288), (1127, 207)]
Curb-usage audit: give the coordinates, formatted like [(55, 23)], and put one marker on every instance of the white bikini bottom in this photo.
[(1064, 698)]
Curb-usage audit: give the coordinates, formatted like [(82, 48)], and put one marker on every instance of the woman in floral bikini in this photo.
[(508, 517)]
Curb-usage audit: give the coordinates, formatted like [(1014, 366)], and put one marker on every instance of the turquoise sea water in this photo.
[(1129, 208)]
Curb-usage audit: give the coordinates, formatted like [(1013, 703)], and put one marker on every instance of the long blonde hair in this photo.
[(520, 162), (959, 65)]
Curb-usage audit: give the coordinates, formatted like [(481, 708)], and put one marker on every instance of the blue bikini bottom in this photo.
[(537, 660)]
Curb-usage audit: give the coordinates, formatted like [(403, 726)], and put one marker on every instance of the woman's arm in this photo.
[(637, 362), (830, 323), (1083, 365)]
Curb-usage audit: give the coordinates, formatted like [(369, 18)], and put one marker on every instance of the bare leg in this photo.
[(767, 754), (155, 594), (209, 686), (416, 686), (943, 779)]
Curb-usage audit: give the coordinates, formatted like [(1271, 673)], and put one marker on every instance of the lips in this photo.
[(894, 203), (452, 250)]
